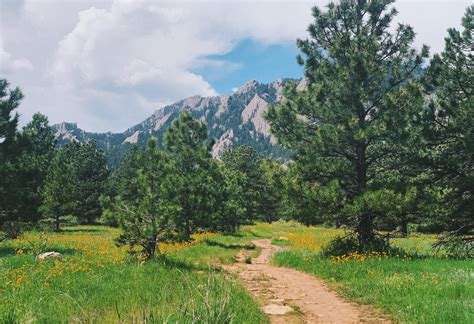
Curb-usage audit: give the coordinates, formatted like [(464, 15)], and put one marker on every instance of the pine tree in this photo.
[(362, 91), (75, 182), (91, 172), (59, 191), (448, 126), (10, 213), (147, 217), (37, 141), (194, 186), (242, 163)]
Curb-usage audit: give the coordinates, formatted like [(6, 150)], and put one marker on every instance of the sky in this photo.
[(109, 64)]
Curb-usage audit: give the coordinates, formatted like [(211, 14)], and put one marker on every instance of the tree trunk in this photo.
[(365, 227), (404, 228), (365, 230), (187, 230), (56, 223), (149, 249)]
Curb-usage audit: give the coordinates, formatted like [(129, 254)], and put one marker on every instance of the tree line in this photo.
[(382, 138)]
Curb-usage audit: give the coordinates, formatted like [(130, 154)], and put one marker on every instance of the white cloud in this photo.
[(8, 63), (107, 64)]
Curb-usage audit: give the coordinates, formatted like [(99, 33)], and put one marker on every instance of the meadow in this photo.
[(419, 285), (97, 281)]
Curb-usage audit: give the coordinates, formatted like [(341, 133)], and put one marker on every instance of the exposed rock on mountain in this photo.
[(232, 120)]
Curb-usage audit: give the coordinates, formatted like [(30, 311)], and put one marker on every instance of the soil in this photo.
[(291, 296)]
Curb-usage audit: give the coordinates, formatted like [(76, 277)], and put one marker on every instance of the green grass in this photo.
[(428, 290), (422, 286), (96, 283)]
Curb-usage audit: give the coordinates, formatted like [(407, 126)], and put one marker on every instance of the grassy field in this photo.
[(420, 286), (95, 281)]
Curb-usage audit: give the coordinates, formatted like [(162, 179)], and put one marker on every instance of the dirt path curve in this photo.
[(291, 296)]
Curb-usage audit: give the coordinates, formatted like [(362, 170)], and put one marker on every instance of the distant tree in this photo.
[(243, 163), (75, 182), (123, 179), (448, 126), (193, 186), (361, 95), (91, 172), (146, 218), (122, 182), (270, 192), (37, 141), (60, 187), (231, 211)]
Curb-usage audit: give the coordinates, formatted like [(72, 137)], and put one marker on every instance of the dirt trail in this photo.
[(291, 296)]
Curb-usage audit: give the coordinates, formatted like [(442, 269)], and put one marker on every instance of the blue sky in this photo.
[(251, 60)]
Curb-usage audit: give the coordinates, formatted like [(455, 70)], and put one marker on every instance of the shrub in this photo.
[(343, 245)]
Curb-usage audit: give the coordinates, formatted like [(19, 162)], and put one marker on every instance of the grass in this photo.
[(420, 286), (95, 281)]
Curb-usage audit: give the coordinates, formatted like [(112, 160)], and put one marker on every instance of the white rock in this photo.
[(132, 139), (302, 85), (276, 309), (159, 122), (253, 113), (50, 255)]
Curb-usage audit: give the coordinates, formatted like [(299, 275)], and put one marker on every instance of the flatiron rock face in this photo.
[(232, 120)]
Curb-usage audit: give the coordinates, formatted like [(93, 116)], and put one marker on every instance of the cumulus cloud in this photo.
[(8, 63), (108, 64)]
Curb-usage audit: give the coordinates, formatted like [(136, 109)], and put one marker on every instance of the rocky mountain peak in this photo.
[(248, 86), (233, 119)]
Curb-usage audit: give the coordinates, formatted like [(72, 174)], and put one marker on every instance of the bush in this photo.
[(431, 228), (11, 229), (456, 246), (343, 245)]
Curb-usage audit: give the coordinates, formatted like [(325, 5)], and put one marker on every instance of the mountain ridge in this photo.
[(232, 119)]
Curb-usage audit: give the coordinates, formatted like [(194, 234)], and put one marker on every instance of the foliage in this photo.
[(9, 212), (354, 114), (198, 188), (37, 142), (259, 180), (146, 217), (345, 245), (75, 181), (447, 128), (24, 160)]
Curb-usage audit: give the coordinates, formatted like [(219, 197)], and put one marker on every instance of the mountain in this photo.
[(232, 120)]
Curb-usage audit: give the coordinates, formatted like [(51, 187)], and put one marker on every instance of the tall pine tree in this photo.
[(351, 118)]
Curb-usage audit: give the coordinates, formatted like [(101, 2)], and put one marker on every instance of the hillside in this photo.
[(232, 120)]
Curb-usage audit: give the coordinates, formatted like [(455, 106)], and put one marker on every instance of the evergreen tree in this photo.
[(91, 172), (361, 93), (146, 218), (37, 141), (75, 182), (242, 163), (448, 127), (10, 212), (59, 191), (270, 192), (194, 186)]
